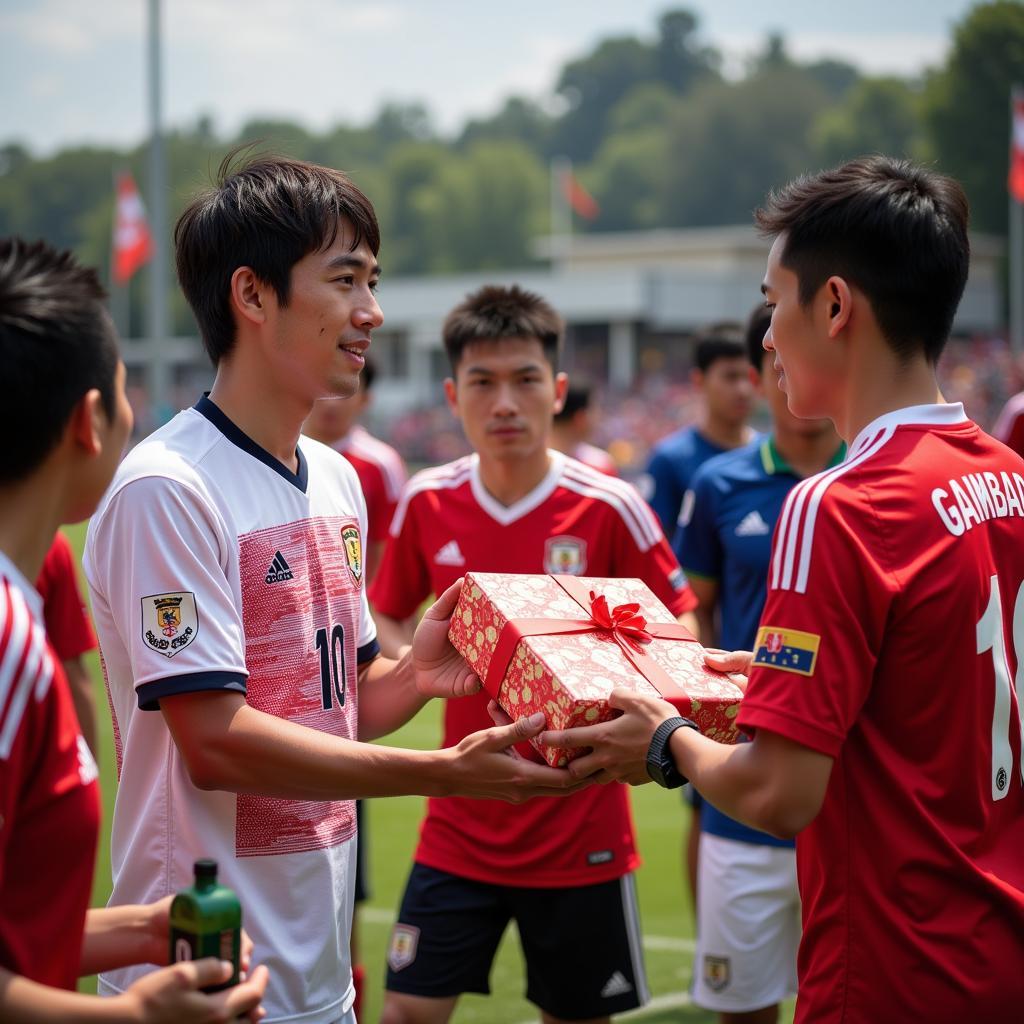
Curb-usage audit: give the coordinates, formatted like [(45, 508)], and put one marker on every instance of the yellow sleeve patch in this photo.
[(790, 650)]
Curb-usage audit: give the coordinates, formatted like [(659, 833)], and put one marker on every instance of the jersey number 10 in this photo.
[(331, 647), (990, 638)]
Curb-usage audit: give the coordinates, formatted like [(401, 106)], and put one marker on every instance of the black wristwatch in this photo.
[(660, 764)]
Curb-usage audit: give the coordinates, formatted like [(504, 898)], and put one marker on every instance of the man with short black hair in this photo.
[(227, 572), (69, 419), (885, 677), (559, 868), (722, 379)]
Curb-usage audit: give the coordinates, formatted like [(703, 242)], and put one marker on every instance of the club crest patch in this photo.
[(170, 622), (717, 972), (353, 552), (790, 650), (402, 950), (565, 555)]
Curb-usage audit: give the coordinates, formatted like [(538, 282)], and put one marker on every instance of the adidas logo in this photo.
[(616, 985), (752, 525), (279, 570), (450, 554)]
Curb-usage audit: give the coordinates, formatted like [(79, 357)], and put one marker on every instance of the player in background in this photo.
[(1009, 425), (884, 680), (69, 630), (226, 572), (748, 923), (382, 475), (379, 467), (562, 868), (721, 376), (68, 410), (572, 428)]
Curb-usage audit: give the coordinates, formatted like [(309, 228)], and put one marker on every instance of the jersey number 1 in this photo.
[(990, 638), (332, 675)]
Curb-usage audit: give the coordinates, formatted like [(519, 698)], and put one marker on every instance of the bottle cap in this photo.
[(206, 869)]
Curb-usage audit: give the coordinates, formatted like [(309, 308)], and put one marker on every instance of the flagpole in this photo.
[(561, 214), (1016, 270), (157, 367)]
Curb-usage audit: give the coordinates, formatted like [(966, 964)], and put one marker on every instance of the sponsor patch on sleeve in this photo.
[(790, 650)]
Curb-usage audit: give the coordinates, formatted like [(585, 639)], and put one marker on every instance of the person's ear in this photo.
[(840, 305), (87, 422), (451, 395), (697, 378), (561, 389), (248, 295)]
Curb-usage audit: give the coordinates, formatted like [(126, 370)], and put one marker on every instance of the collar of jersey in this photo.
[(242, 440), (773, 462), (946, 415), (506, 514), (17, 577)]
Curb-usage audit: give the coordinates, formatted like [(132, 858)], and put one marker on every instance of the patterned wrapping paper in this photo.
[(568, 677)]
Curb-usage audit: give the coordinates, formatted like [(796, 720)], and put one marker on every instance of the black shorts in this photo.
[(361, 890), (581, 945)]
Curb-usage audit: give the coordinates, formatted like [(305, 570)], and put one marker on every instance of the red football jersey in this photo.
[(575, 521), (67, 621), (892, 641), (382, 475), (49, 800)]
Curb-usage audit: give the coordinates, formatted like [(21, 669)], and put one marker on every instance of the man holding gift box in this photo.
[(562, 870), (227, 573), (881, 698)]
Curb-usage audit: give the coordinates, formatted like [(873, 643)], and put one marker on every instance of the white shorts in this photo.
[(748, 925)]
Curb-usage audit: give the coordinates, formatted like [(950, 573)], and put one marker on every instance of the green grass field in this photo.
[(664, 904)]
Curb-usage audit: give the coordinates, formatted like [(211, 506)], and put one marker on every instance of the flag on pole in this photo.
[(1016, 179), (133, 243), (581, 201)]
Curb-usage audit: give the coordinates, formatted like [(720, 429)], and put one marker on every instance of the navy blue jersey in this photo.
[(725, 535), (673, 462)]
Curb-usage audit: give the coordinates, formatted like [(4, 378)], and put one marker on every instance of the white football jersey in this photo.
[(213, 567)]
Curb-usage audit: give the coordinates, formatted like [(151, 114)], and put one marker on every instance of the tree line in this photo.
[(657, 133)]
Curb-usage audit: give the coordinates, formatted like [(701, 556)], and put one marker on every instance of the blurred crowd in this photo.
[(979, 371)]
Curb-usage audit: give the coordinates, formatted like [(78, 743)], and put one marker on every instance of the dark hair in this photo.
[(368, 374), (895, 231), (577, 398), (719, 341), (57, 342), (265, 214), (495, 312), (757, 327)]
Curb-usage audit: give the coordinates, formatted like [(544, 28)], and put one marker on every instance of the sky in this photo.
[(74, 72)]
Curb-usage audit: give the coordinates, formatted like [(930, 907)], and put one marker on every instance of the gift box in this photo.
[(561, 644)]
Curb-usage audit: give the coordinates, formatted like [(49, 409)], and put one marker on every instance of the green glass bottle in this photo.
[(206, 920)]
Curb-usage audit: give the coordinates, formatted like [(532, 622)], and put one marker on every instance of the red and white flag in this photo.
[(581, 201), (133, 243), (1016, 179)]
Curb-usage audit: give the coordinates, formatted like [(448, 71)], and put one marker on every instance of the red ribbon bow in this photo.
[(623, 619)]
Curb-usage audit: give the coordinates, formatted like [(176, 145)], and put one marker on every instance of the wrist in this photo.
[(661, 764)]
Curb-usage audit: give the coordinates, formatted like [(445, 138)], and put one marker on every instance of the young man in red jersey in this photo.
[(884, 683), (67, 408), (562, 870)]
